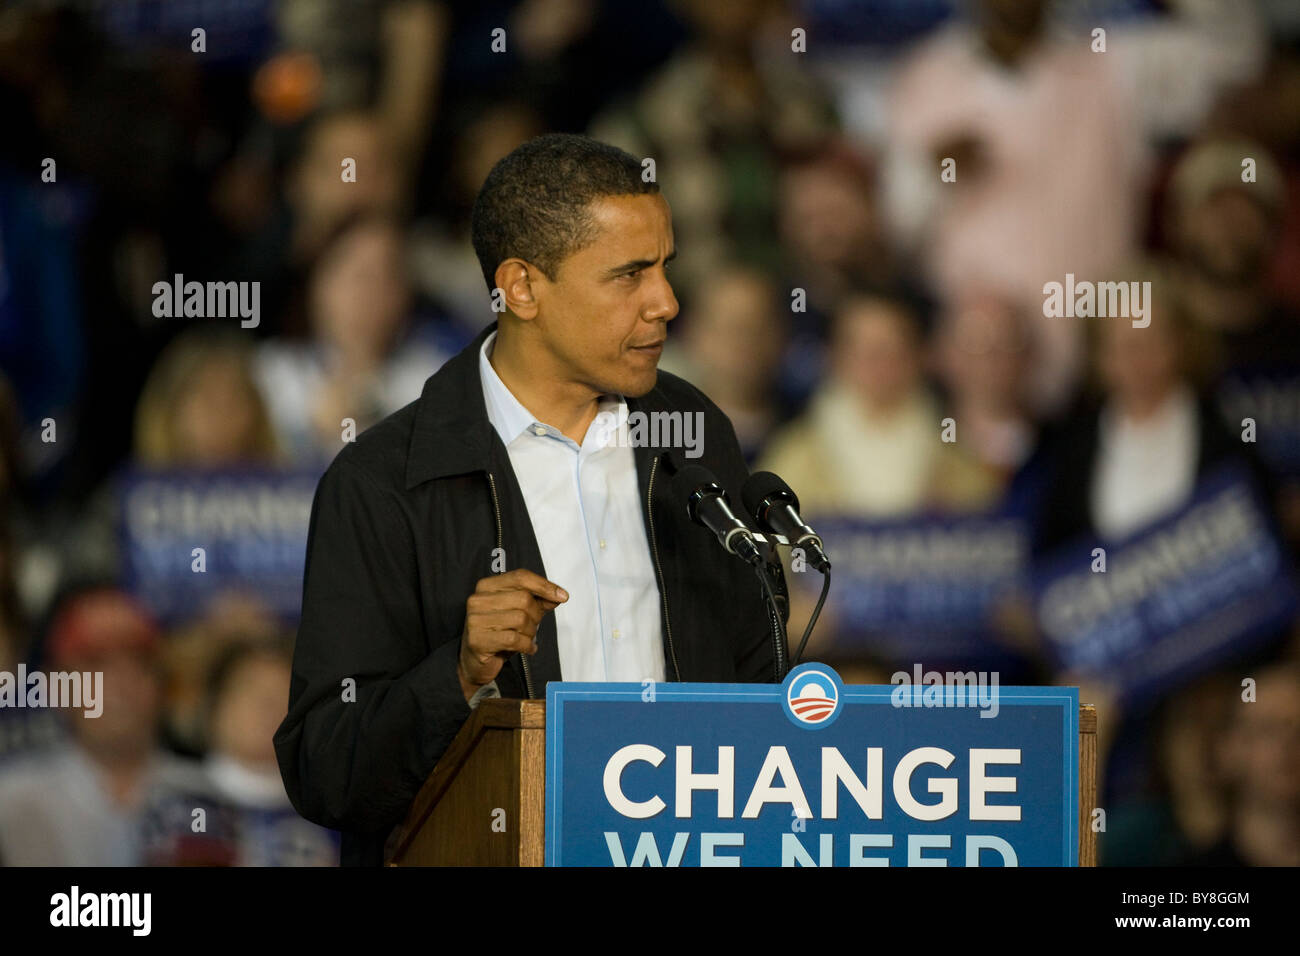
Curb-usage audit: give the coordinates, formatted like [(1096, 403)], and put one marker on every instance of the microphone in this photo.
[(776, 508), (707, 505)]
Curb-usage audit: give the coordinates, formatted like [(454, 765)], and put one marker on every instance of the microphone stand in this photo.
[(771, 576)]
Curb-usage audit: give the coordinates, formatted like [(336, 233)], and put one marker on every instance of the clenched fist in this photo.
[(501, 618)]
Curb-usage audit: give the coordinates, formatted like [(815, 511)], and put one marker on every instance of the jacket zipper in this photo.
[(523, 658), (654, 550)]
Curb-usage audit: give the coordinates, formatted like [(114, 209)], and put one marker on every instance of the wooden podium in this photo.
[(496, 763), (485, 802)]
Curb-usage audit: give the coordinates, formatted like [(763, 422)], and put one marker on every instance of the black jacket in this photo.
[(403, 525)]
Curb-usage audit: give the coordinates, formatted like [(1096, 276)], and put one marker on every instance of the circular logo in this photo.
[(812, 695)]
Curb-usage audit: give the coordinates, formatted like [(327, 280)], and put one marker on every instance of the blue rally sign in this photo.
[(250, 524), (1207, 582), (812, 773), (924, 585)]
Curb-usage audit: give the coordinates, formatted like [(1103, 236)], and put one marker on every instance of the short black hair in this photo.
[(534, 203)]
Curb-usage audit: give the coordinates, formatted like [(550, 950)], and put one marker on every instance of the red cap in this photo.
[(98, 623)]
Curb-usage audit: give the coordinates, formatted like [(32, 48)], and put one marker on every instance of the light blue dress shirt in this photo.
[(584, 504)]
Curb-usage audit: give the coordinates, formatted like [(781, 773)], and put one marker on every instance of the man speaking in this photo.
[(510, 527)]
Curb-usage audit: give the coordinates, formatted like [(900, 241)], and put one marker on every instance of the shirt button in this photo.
[(539, 430), (616, 634), (602, 544)]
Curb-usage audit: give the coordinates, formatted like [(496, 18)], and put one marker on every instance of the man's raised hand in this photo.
[(501, 618)]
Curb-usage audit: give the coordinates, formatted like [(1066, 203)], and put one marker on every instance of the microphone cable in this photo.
[(817, 612)]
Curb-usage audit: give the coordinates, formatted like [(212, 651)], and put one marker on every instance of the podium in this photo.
[(485, 802)]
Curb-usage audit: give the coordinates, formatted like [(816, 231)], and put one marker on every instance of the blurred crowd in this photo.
[(868, 197)]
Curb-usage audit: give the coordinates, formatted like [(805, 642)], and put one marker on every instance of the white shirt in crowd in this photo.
[(1144, 470)]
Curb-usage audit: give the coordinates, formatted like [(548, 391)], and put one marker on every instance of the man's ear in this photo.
[(515, 279)]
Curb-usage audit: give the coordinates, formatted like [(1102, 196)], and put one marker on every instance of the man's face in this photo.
[(604, 317), (737, 307), (984, 350), (874, 354), (827, 217), (251, 708), (1228, 237), (132, 698)]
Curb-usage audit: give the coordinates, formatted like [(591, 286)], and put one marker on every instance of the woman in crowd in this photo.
[(1126, 461), (362, 361), (872, 441)]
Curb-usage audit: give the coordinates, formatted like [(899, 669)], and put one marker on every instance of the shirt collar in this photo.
[(504, 411), (510, 418)]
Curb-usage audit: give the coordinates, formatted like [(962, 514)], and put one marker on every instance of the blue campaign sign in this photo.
[(250, 524), (812, 773), (1206, 582), (924, 586)]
